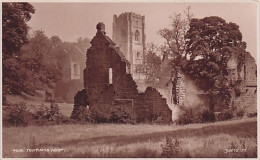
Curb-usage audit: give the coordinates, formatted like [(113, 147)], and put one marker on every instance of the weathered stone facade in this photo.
[(248, 96), (72, 75), (245, 74), (107, 81), (129, 35), (179, 90)]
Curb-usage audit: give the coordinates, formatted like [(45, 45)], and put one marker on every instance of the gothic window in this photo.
[(75, 68), (127, 69), (137, 55), (137, 35), (110, 76)]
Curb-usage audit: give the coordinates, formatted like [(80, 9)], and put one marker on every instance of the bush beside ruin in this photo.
[(18, 114)]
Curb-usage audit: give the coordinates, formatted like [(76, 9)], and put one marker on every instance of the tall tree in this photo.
[(14, 18), (211, 44), (14, 34), (174, 36), (216, 54), (152, 62)]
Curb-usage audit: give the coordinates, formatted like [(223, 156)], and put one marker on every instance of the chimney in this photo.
[(101, 28)]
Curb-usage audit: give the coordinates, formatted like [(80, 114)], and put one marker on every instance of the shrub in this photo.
[(120, 114), (103, 113), (207, 116), (250, 115), (225, 115), (186, 116), (171, 148), (16, 115), (50, 115), (197, 114), (239, 113), (158, 120)]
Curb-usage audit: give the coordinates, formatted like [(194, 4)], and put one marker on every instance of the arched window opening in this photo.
[(137, 35), (110, 76), (138, 55), (75, 69)]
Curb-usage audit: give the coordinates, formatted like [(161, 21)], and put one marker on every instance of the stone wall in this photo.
[(248, 97), (101, 90), (250, 70), (179, 91), (70, 82)]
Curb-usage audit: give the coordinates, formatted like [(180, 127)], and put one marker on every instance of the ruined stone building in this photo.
[(109, 82), (129, 35), (248, 97), (72, 75), (184, 91)]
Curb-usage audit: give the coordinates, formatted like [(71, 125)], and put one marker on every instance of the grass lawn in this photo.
[(221, 139)]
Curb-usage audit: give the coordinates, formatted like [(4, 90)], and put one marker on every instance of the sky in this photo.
[(70, 20)]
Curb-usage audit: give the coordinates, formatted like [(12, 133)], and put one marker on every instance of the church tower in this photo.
[(129, 35)]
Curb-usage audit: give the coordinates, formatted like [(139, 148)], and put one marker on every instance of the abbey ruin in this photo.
[(111, 77), (109, 82)]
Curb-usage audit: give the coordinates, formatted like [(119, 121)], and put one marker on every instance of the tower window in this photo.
[(138, 55), (137, 35)]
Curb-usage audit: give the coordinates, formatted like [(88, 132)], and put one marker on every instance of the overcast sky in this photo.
[(70, 21)]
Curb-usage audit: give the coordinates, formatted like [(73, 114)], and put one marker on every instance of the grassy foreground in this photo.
[(221, 139)]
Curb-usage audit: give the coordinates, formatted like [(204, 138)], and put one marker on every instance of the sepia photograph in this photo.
[(129, 79)]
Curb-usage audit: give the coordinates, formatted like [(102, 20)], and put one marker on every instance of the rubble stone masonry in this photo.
[(107, 81)]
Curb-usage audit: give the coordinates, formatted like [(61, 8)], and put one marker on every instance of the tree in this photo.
[(36, 66), (175, 44), (152, 62), (209, 50), (211, 44), (14, 18), (216, 52), (39, 57), (14, 27)]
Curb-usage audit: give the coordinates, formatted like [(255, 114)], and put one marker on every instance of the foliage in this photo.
[(152, 62), (36, 67), (16, 115), (207, 116), (31, 63), (80, 103), (50, 116), (103, 114), (14, 18), (208, 50), (121, 114), (197, 114), (239, 113), (159, 120), (39, 56), (225, 115), (174, 36), (171, 148), (215, 47)]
